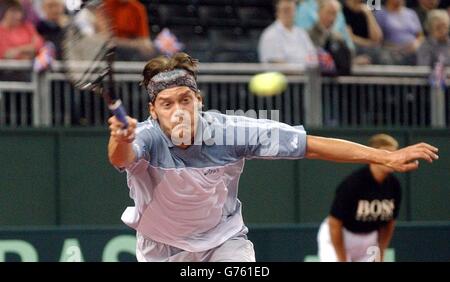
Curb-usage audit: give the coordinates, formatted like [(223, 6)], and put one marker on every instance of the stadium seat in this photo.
[(252, 17), (231, 40), (215, 2), (235, 57), (218, 16), (194, 38), (255, 3), (202, 56), (178, 15), (154, 17)]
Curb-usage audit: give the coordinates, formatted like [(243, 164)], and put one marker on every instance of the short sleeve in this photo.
[(141, 146), (342, 201), (268, 139), (380, 17)]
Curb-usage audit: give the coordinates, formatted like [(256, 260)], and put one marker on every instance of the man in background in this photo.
[(362, 217), (51, 26), (307, 16), (283, 42), (328, 41)]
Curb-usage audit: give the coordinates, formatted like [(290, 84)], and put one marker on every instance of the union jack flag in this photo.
[(326, 61), (167, 43), (438, 75), (44, 58)]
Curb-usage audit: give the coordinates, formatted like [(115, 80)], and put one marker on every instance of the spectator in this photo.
[(51, 27), (438, 41), (329, 41), (307, 16), (283, 42), (132, 35), (19, 39), (29, 10), (422, 9), (364, 30), (402, 33)]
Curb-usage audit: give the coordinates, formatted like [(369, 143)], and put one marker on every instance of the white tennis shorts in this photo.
[(358, 247), (235, 249)]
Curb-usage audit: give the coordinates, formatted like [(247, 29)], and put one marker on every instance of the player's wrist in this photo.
[(383, 157)]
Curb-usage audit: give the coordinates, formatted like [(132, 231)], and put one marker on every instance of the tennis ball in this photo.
[(268, 84)]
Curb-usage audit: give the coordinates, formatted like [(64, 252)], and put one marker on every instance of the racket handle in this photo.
[(119, 111)]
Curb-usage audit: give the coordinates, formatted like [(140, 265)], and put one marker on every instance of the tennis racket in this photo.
[(88, 55)]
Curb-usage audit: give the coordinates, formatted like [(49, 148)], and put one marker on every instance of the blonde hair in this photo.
[(382, 140), (434, 16)]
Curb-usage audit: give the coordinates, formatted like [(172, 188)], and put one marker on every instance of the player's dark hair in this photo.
[(163, 63), (9, 4)]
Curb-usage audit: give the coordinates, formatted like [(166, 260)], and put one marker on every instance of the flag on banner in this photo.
[(167, 43), (45, 57)]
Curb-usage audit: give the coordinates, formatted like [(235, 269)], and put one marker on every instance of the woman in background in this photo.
[(20, 39), (438, 42)]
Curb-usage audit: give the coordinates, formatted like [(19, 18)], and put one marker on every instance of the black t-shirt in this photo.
[(51, 32), (357, 21), (365, 205)]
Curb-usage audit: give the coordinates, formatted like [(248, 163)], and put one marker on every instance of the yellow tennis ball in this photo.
[(268, 84)]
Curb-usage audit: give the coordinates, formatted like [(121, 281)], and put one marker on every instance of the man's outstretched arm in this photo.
[(338, 150)]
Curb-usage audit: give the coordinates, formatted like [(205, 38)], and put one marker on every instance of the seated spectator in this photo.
[(328, 41), (438, 41), (51, 27), (31, 15), (283, 42), (19, 39), (402, 33), (364, 31), (422, 9), (131, 28), (307, 16)]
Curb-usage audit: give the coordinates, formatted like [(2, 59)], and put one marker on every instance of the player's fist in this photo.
[(407, 159), (122, 135)]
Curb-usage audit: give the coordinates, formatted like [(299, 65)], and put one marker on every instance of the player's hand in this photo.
[(407, 159), (122, 135)]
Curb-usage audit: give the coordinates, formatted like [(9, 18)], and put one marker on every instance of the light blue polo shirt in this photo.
[(187, 198)]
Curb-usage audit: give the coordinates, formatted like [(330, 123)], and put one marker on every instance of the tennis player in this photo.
[(183, 166), (361, 221)]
